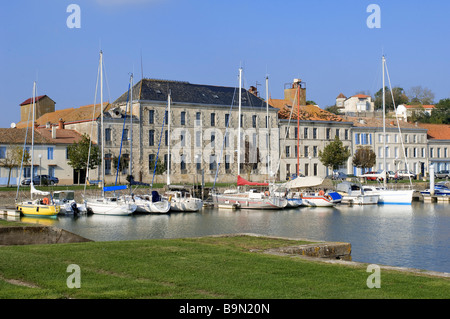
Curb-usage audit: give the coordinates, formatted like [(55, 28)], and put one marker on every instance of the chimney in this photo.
[(61, 124), (47, 125), (53, 132), (253, 90)]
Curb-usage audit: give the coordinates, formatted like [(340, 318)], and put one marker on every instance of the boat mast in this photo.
[(101, 123), (268, 129), (32, 139), (298, 130), (239, 123), (131, 127), (168, 139), (384, 125)]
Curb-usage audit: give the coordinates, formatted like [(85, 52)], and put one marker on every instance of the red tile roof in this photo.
[(437, 131), (30, 100), (41, 136), (361, 96), (70, 115)]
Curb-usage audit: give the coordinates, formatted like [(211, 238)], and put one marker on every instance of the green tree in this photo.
[(441, 112), (399, 98), (333, 109), (13, 158), (78, 154), (364, 157), (335, 154)]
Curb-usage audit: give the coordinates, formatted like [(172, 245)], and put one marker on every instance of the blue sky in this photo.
[(326, 43)]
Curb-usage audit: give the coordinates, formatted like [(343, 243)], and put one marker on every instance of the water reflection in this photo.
[(411, 236)]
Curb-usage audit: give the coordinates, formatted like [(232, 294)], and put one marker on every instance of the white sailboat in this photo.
[(251, 199), (180, 199), (389, 196), (152, 203), (108, 205), (40, 207)]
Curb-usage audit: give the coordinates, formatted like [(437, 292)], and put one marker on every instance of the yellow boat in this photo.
[(44, 207), (37, 208)]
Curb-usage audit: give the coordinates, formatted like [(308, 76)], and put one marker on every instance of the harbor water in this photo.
[(413, 236)]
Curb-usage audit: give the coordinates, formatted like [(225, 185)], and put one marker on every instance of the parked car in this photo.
[(442, 174), (372, 178), (405, 174), (45, 179)]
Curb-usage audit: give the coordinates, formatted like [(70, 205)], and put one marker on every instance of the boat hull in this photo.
[(187, 205), (317, 201), (392, 197), (244, 202), (360, 199), (102, 206), (147, 206), (37, 210)]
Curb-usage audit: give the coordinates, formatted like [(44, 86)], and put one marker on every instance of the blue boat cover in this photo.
[(114, 188)]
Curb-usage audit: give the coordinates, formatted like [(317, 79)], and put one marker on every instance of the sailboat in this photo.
[(108, 205), (180, 199), (66, 201), (40, 207), (296, 188), (153, 203), (388, 196), (251, 199)]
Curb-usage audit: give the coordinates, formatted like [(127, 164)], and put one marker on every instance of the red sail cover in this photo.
[(243, 182)]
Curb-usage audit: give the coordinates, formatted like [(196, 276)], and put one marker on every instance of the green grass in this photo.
[(196, 268)]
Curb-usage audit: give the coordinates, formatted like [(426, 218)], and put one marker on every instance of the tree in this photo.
[(399, 98), (78, 154), (419, 95), (333, 109), (441, 112), (364, 158), (335, 154), (13, 158)]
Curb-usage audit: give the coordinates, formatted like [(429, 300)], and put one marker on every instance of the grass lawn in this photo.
[(195, 268)]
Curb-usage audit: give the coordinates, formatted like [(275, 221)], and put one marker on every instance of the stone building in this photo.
[(203, 131), (406, 144)]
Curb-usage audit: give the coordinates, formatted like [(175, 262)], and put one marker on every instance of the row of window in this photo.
[(313, 133), (198, 119), (306, 172), (306, 151), (414, 152), (50, 151)]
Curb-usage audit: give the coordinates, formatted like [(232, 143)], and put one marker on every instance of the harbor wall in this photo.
[(29, 235)]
